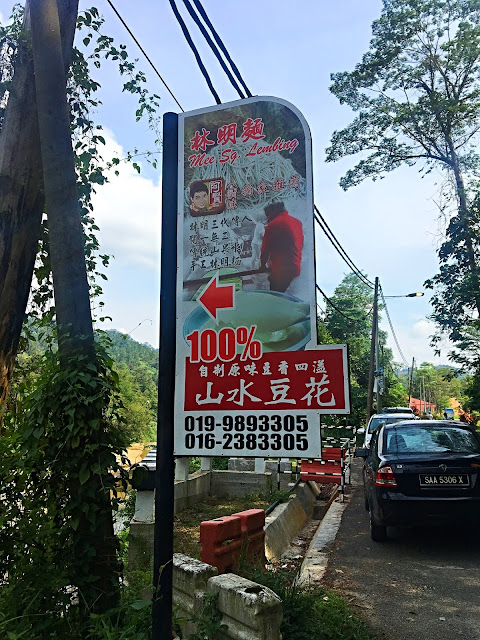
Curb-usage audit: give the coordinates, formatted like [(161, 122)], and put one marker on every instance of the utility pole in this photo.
[(372, 352), (410, 382), (377, 369)]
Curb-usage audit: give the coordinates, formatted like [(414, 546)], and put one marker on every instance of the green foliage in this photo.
[(64, 431), (208, 622), (456, 288), (312, 613), (125, 349), (416, 90), (439, 384), (60, 456)]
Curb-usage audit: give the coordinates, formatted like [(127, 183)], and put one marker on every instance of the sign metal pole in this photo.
[(164, 475)]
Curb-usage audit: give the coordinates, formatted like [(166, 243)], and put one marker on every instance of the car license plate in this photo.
[(451, 480)]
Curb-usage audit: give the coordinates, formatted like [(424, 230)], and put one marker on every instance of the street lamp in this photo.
[(417, 294)]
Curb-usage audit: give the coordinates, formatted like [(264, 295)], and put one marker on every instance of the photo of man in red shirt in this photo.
[(282, 246)]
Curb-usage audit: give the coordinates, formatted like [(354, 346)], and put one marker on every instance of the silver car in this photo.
[(379, 419)]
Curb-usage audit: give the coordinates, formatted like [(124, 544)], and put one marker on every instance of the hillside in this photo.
[(126, 349)]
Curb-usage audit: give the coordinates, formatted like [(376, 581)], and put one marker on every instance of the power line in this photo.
[(144, 53), (188, 38), (219, 41), (213, 47), (332, 304), (341, 250), (322, 223), (391, 327)]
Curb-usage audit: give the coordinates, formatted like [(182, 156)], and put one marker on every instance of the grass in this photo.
[(311, 613), (187, 523)]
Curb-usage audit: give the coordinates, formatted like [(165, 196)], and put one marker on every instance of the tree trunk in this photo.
[(463, 207), (21, 192), (67, 254)]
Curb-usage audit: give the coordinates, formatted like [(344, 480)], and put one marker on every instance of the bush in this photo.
[(311, 613)]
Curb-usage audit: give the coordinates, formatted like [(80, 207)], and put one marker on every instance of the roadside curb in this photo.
[(315, 562), (316, 559)]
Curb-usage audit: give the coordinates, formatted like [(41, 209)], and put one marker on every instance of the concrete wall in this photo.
[(240, 483), (287, 519), (196, 487), (249, 610)]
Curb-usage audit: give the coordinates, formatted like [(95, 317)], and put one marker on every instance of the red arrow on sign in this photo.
[(216, 296)]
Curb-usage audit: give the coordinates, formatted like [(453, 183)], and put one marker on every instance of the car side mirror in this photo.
[(361, 431), (361, 453)]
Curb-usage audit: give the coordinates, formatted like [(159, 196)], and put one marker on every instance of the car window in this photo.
[(431, 439), (375, 423), (378, 422), (394, 419), (373, 441)]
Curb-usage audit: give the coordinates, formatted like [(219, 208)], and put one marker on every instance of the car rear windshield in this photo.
[(377, 422), (433, 439)]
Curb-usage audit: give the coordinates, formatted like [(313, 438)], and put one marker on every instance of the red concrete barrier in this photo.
[(331, 454), (253, 535), (320, 471), (221, 542), (226, 540)]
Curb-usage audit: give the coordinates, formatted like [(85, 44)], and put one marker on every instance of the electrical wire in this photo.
[(223, 48), (332, 304), (188, 38), (144, 53), (392, 329), (338, 247), (213, 47)]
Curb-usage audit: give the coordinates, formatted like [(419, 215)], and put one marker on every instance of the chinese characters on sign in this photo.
[(298, 379)]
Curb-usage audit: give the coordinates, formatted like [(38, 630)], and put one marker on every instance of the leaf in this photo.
[(140, 604), (84, 475)]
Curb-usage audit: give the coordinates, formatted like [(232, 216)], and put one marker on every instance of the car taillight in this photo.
[(385, 478)]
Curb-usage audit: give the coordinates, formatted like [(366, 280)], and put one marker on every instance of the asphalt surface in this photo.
[(422, 584)]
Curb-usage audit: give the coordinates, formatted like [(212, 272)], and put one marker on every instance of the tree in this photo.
[(437, 385), (61, 450), (21, 193), (350, 321), (416, 93)]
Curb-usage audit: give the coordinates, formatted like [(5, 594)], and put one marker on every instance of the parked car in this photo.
[(398, 410), (377, 420), (421, 473), (448, 414)]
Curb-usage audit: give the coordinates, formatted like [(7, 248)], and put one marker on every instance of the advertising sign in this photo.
[(250, 379)]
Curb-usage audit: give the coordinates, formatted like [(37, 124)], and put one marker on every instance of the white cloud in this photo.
[(414, 339), (128, 212), (423, 329)]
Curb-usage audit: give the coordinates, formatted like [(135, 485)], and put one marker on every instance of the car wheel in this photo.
[(378, 532)]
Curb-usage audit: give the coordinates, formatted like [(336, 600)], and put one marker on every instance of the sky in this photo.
[(389, 228)]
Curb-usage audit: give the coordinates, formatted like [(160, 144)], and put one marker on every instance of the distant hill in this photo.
[(405, 370), (126, 349)]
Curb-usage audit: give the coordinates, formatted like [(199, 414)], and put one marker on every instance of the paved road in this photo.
[(420, 585)]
